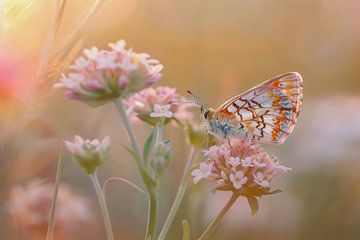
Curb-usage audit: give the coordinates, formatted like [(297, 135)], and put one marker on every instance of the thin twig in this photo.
[(49, 43), (216, 222), (103, 207), (51, 226), (122, 180), (179, 195)]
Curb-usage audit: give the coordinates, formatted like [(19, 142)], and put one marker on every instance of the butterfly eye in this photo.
[(206, 114)]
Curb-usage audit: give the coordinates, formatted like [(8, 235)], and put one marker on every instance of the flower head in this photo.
[(243, 168), (203, 171), (30, 206), (153, 104), (161, 111), (104, 75), (238, 179), (89, 153)]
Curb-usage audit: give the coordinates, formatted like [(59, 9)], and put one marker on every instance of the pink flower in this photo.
[(30, 205), (203, 171), (234, 161), (104, 75), (238, 179), (243, 168), (161, 111), (159, 102), (89, 153), (259, 178), (246, 162)]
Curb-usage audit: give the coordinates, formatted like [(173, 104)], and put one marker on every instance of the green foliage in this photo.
[(149, 145)]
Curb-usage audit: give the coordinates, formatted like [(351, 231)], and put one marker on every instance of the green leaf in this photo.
[(186, 230), (149, 145), (254, 205), (131, 152), (178, 122), (279, 190)]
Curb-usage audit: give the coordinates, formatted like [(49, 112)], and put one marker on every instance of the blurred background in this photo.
[(217, 49)]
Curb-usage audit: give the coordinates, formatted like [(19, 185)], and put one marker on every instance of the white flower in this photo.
[(238, 179), (72, 81), (259, 179), (91, 53), (246, 162), (119, 46), (80, 64), (259, 165), (203, 171), (105, 143), (161, 111), (234, 161), (106, 60)]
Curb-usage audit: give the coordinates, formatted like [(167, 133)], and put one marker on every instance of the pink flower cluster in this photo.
[(30, 206), (159, 102), (242, 167), (104, 75), (89, 154)]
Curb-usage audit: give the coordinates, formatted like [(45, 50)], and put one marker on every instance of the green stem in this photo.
[(154, 193), (51, 226), (130, 130), (152, 214), (179, 195), (104, 210), (150, 184), (216, 222)]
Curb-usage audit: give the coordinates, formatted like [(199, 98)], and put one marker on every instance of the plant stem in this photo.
[(154, 193), (130, 131), (179, 195), (150, 184), (51, 226), (152, 214), (216, 222), (104, 210)]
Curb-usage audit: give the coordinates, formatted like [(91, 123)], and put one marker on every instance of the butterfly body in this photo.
[(266, 113)]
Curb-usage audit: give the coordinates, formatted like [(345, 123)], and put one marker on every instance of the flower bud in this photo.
[(162, 155), (89, 154)]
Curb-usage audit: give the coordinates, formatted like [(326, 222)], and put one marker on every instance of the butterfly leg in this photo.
[(207, 138), (228, 139)]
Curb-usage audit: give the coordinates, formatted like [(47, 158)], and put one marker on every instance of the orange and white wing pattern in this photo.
[(266, 113)]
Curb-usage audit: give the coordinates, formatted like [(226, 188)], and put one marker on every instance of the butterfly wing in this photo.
[(267, 112)]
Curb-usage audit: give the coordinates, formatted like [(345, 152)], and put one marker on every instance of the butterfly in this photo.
[(266, 113)]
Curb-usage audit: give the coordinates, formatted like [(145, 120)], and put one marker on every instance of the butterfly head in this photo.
[(206, 113)]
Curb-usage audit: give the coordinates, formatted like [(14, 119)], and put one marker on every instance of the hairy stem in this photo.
[(179, 195), (216, 222), (104, 210)]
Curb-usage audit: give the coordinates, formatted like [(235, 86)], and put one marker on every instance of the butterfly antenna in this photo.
[(200, 99), (183, 102)]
